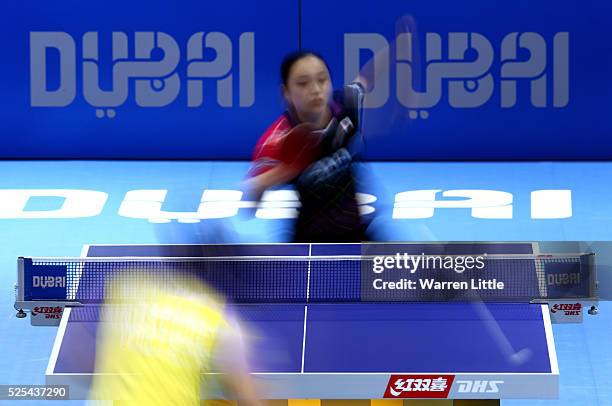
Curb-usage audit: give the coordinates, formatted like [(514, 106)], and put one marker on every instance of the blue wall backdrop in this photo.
[(163, 79), (450, 80)]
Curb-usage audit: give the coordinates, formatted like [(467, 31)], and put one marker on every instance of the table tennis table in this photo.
[(367, 350)]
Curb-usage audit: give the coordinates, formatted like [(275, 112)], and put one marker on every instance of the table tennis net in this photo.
[(316, 279)]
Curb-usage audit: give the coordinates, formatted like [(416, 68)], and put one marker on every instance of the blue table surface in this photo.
[(275, 250), (357, 337), (362, 337)]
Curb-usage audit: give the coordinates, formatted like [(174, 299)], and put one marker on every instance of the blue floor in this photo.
[(583, 350)]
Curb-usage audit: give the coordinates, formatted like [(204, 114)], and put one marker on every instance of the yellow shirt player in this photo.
[(156, 338)]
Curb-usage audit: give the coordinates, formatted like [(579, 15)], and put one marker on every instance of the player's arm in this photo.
[(300, 147), (278, 175), (230, 359), (349, 134), (372, 71), (241, 388)]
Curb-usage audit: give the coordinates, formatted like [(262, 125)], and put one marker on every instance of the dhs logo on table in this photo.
[(419, 386), (478, 386), (48, 312), (569, 309), (49, 282)]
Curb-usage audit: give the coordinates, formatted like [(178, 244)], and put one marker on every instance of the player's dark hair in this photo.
[(290, 59)]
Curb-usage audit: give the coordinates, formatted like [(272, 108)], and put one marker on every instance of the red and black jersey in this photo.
[(268, 151), (329, 211)]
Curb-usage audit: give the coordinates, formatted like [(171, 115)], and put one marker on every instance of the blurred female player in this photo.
[(312, 145)]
